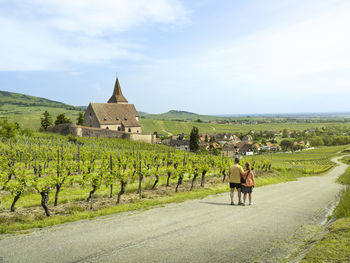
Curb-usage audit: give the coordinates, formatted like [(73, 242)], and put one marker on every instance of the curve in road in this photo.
[(206, 230)]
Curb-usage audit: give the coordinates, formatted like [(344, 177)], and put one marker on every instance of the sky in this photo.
[(208, 56)]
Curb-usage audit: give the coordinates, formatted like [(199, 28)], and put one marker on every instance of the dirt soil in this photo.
[(283, 217)]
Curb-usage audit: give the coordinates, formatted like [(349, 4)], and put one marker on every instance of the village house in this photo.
[(215, 145), (275, 148), (256, 147), (180, 144), (247, 139), (229, 150), (116, 115), (246, 149)]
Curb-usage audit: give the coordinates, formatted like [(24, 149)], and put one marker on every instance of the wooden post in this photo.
[(35, 168), (140, 177), (111, 171), (58, 162), (62, 151)]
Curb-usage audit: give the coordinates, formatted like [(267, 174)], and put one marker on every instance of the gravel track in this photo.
[(205, 230)]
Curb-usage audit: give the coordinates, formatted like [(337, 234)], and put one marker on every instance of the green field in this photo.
[(177, 127), (29, 117), (27, 110)]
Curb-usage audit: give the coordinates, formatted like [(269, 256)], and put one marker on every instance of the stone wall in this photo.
[(82, 131), (91, 118)]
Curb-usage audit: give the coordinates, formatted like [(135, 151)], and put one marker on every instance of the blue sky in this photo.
[(208, 56)]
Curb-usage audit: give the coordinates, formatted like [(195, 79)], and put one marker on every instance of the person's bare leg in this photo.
[(250, 198), (231, 194), (244, 198), (239, 196)]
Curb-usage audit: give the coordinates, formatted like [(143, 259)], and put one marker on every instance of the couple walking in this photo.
[(242, 180)]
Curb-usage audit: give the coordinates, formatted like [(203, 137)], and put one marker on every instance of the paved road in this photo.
[(206, 230)]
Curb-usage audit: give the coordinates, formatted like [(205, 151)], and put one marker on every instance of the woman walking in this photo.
[(247, 183)]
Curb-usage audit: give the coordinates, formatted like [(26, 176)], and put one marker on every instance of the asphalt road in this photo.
[(206, 230)]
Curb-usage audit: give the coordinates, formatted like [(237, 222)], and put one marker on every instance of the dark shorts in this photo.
[(247, 189), (235, 185)]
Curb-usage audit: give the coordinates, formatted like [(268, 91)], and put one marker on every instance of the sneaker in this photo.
[(240, 203), (232, 203), (250, 203)]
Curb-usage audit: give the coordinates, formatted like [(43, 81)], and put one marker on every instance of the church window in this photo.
[(119, 128), (129, 130)]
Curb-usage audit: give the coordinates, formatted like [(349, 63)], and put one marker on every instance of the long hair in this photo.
[(247, 165)]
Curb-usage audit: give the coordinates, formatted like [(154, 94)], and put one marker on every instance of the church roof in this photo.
[(117, 94), (114, 113)]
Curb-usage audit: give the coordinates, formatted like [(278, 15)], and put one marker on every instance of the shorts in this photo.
[(247, 189), (235, 185)]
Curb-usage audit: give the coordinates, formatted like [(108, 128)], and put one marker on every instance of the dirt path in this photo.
[(207, 230)]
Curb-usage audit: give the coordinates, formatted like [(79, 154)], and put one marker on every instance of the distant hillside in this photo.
[(12, 98), (27, 110), (180, 115)]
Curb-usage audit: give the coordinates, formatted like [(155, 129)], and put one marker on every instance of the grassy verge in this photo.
[(335, 246), (75, 212)]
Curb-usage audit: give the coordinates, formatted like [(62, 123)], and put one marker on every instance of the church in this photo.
[(117, 114)]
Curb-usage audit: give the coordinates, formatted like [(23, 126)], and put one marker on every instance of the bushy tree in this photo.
[(46, 121), (62, 118), (8, 129), (285, 133), (286, 144), (80, 120), (194, 140), (317, 141)]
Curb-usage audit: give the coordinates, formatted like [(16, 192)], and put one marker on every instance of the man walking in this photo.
[(234, 176)]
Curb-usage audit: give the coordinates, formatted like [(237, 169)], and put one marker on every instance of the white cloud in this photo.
[(50, 35), (316, 46), (309, 56), (98, 17)]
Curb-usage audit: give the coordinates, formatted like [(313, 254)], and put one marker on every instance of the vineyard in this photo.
[(56, 176)]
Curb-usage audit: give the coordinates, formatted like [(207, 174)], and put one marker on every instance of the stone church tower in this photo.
[(117, 96), (116, 115)]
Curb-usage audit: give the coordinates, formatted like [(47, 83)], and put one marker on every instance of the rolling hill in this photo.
[(180, 115), (27, 110)]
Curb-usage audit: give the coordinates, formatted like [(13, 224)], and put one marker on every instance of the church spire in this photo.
[(117, 96)]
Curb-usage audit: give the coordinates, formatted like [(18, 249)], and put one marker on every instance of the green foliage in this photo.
[(61, 119), (194, 139), (46, 121), (317, 141), (343, 207), (80, 120), (286, 144), (86, 166), (8, 129), (334, 247)]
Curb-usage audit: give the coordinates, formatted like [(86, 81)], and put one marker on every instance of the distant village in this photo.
[(228, 144)]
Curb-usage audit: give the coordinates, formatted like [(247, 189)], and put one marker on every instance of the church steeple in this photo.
[(117, 96)]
